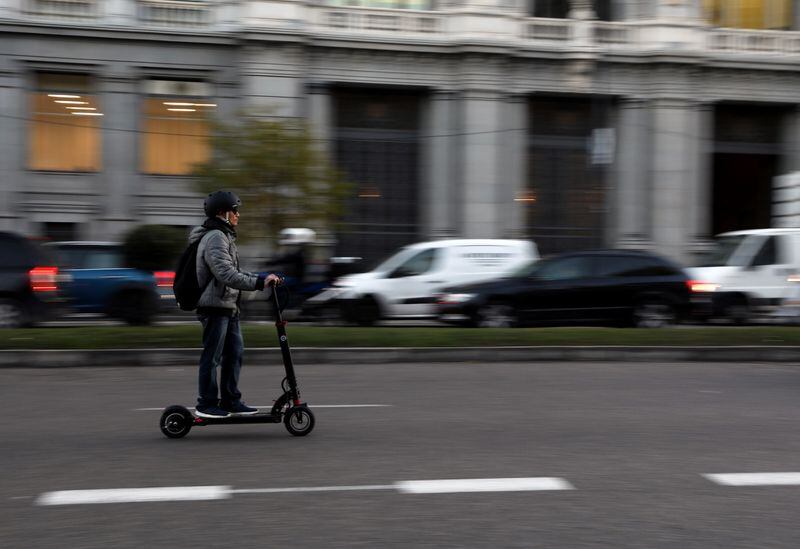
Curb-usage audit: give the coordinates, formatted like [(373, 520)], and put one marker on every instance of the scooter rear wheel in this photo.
[(299, 421), (176, 422)]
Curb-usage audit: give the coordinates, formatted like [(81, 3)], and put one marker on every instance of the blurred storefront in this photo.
[(576, 123)]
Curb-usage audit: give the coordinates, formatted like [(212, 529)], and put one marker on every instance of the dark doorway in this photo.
[(747, 149), (742, 191), (377, 146)]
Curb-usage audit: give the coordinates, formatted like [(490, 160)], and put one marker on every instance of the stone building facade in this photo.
[(625, 123)]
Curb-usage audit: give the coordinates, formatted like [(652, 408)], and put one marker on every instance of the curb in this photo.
[(57, 358)]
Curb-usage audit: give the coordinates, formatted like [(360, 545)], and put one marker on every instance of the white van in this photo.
[(750, 271), (406, 284)]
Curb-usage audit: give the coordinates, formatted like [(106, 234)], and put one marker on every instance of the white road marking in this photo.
[(314, 489), (204, 493), (754, 479), (269, 406), (482, 485), (135, 495)]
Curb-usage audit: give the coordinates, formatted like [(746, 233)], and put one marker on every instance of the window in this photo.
[(81, 257), (176, 127), (568, 268), (767, 255), (417, 265), (749, 14), (65, 124), (60, 231), (632, 266)]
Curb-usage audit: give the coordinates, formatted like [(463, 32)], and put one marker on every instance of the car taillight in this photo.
[(164, 279), (699, 286), (43, 279)]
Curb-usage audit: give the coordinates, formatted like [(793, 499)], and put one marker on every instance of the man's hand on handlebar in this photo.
[(272, 280)]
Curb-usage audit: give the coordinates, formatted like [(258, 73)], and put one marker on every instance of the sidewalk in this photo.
[(382, 355)]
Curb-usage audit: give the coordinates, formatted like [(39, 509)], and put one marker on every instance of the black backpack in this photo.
[(185, 287)]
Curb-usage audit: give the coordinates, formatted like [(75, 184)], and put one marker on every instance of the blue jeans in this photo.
[(222, 346)]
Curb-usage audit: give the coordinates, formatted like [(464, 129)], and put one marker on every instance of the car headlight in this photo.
[(447, 299)]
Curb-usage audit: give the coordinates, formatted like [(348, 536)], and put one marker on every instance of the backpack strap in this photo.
[(203, 257)]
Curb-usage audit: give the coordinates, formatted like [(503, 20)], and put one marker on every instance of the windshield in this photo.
[(723, 251), (394, 260)]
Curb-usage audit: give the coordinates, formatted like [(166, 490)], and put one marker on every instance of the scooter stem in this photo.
[(283, 340)]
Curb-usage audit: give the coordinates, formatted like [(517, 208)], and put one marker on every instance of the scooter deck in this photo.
[(265, 417)]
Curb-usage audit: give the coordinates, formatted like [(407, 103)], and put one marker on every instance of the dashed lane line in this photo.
[(754, 479), (135, 495), (205, 493), (452, 486), (439, 486)]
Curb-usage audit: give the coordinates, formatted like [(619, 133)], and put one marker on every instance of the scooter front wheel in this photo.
[(176, 422), (299, 421)]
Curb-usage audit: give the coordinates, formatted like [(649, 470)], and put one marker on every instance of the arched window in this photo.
[(559, 9)]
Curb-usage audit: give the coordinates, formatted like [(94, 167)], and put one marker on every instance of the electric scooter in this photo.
[(177, 421)]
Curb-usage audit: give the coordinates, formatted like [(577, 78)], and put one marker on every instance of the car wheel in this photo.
[(497, 315), (654, 313), (12, 314), (736, 310), (366, 312), (329, 315), (136, 308)]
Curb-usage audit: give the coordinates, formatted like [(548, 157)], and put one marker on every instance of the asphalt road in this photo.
[(631, 441)]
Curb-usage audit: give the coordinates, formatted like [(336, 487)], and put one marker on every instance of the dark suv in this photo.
[(29, 282), (598, 287)]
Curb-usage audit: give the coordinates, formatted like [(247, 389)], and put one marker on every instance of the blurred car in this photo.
[(617, 287), (29, 282), (95, 280), (752, 271), (406, 284)]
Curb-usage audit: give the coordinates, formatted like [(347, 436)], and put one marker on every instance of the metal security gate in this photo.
[(566, 196), (377, 146)]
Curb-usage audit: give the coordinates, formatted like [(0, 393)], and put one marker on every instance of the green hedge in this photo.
[(263, 335)]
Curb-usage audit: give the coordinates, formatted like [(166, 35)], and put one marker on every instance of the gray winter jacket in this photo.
[(218, 269)]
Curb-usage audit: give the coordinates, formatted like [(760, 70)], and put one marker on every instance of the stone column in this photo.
[(581, 9), (319, 116), (512, 192), (702, 145), (118, 182), (584, 13), (632, 193), (674, 177), (786, 187), (13, 110), (438, 200), (790, 158), (119, 12), (481, 118)]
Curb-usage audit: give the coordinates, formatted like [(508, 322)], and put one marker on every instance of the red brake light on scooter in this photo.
[(43, 279), (164, 279)]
